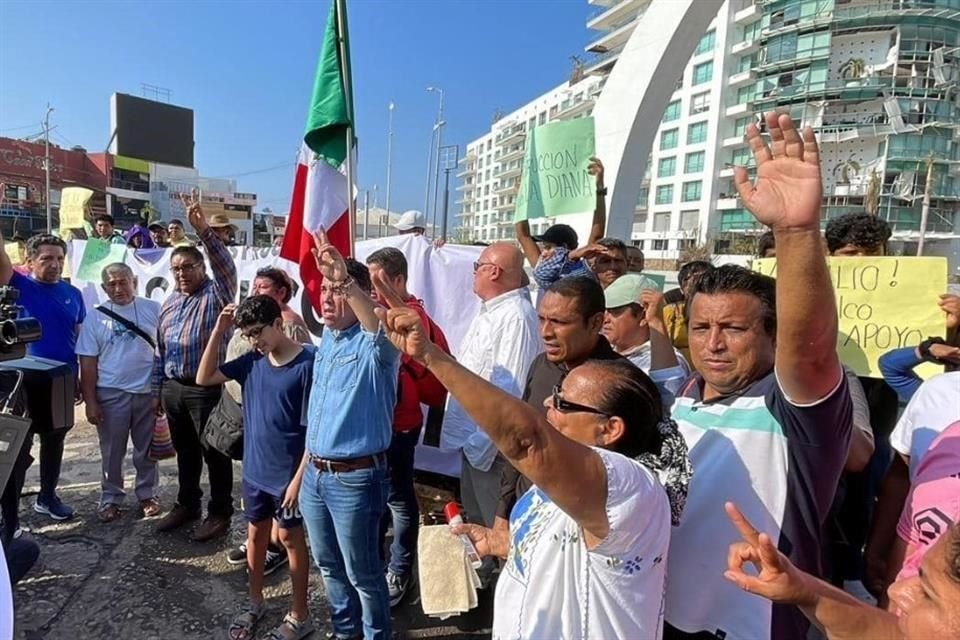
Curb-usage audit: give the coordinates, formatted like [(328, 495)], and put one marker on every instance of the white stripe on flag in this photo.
[(325, 199)]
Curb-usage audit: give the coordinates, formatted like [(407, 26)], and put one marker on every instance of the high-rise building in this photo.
[(877, 80), (489, 172)]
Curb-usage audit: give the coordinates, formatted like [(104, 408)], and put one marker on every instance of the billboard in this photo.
[(150, 130)]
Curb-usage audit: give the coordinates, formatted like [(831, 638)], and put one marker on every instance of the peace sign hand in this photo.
[(778, 580), (402, 324), (787, 192), (329, 260), (194, 211)]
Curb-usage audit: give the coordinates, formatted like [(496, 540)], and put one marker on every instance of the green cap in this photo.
[(626, 290)]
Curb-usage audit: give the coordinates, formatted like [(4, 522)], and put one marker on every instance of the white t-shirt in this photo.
[(125, 360), (6, 600), (553, 587), (934, 407)]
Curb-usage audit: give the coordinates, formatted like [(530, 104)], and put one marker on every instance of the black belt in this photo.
[(350, 464)]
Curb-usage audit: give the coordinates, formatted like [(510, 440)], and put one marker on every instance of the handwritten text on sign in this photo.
[(555, 181), (882, 304)]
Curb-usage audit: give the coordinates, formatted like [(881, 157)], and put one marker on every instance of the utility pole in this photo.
[(389, 153), (436, 183), (366, 212), (46, 165), (925, 208), (451, 158)]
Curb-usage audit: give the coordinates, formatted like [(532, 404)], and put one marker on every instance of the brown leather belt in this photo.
[(353, 464)]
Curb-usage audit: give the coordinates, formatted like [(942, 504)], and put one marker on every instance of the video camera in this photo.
[(15, 332)]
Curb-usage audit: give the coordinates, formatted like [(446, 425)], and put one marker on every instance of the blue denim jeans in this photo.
[(342, 513), (402, 500)]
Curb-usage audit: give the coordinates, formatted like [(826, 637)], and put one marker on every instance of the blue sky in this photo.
[(246, 68)]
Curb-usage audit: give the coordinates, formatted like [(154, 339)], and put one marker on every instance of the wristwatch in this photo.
[(602, 191), (924, 348)]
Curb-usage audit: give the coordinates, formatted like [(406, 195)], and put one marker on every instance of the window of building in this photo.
[(489, 144), (693, 162), (702, 72), (543, 118), (706, 43), (740, 126), (660, 244), (638, 244), (661, 222), (700, 103), (691, 191), (486, 190), (666, 167), (669, 139), (643, 198), (697, 132), (742, 158), (689, 220), (486, 175), (686, 243), (664, 194), (672, 112)]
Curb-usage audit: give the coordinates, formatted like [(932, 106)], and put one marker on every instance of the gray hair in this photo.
[(115, 267)]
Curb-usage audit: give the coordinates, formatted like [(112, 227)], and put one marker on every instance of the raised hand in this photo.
[(777, 580), (588, 252), (194, 211), (329, 261), (652, 302), (402, 324), (225, 319), (787, 192), (595, 168), (950, 304)]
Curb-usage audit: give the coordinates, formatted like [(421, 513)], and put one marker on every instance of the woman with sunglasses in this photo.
[(586, 552)]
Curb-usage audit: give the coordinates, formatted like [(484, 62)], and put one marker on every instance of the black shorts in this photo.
[(259, 505)]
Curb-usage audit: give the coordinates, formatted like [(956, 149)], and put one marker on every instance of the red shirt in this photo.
[(408, 415)]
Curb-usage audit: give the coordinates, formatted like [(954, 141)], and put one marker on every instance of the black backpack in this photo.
[(224, 428)]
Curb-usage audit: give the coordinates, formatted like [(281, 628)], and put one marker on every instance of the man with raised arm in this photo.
[(767, 419)]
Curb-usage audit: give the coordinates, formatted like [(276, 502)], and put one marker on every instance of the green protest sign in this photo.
[(96, 255), (555, 181)]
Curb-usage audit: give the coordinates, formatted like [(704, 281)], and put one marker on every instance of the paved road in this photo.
[(122, 580)]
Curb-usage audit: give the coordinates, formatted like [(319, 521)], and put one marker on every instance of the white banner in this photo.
[(442, 278)]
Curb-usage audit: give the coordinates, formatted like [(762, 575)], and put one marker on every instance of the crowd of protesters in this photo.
[(696, 463)]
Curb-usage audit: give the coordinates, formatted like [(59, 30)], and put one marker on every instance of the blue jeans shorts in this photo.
[(259, 505)]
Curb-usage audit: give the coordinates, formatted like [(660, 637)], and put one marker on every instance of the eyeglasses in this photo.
[(254, 333), (186, 268), (565, 406)]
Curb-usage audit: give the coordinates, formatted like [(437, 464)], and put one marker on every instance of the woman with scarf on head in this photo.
[(587, 547), (138, 238)]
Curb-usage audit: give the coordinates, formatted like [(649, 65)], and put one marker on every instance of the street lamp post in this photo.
[(389, 154), (433, 169), (450, 158), (46, 164)]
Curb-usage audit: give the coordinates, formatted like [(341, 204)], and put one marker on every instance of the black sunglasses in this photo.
[(565, 406)]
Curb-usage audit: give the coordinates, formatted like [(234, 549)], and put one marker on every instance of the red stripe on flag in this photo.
[(297, 243)]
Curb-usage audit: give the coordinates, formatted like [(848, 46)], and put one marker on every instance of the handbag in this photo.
[(224, 428), (161, 444)]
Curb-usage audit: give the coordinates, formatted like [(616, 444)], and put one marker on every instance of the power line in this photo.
[(277, 167), (20, 128)]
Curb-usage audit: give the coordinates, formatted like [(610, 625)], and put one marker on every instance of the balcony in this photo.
[(602, 62), (747, 15), (463, 186), (466, 170), (509, 172), (727, 203), (512, 154), (130, 185), (739, 109), (505, 206), (745, 47), (507, 137), (726, 172), (506, 187), (742, 78), (614, 38), (610, 16), (573, 108), (733, 142)]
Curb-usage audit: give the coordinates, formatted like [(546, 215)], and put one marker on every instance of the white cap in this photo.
[(410, 220)]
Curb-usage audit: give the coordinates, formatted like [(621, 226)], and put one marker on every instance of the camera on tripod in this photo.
[(15, 332)]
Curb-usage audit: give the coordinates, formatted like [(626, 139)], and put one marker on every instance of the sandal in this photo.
[(292, 629), (246, 621), (108, 513), (149, 508)]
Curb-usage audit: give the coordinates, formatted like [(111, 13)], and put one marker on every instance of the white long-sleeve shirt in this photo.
[(499, 346)]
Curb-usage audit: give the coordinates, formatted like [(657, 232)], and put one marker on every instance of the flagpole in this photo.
[(341, 6)]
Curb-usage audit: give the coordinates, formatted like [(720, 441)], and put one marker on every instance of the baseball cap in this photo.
[(158, 225), (410, 220), (626, 290), (559, 234)]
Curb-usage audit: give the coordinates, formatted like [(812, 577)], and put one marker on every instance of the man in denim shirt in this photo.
[(349, 427)]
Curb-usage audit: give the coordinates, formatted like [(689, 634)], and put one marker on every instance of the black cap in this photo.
[(157, 225), (559, 234)]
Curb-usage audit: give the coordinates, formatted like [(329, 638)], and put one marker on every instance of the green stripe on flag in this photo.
[(331, 110)]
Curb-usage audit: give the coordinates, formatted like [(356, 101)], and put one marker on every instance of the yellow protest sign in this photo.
[(73, 206), (14, 251), (882, 304)]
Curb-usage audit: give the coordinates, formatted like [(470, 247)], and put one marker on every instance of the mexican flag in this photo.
[(320, 190)]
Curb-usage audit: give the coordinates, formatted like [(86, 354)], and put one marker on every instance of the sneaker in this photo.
[(276, 558), (238, 555), (53, 507), (397, 587)]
